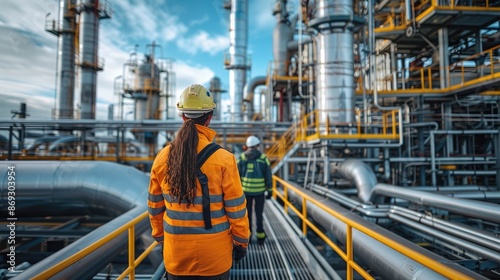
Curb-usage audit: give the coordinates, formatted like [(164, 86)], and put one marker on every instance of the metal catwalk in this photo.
[(283, 256)]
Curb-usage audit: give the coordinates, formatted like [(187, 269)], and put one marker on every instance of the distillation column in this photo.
[(64, 28), (282, 35), (237, 64), (91, 11), (216, 90), (334, 22)]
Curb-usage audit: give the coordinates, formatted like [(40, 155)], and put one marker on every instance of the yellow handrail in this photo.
[(348, 255), (51, 271), (309, 128), (466, 72)]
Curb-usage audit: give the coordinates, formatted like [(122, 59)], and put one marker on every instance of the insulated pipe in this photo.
[(377, 211), (486, 239), (43, 185), (408, 11), (249, 93), (65, 75), (482, 210), (386, 262), (478, 195), (361, 174), (472, 172), (470, 247), (293, 46), (483, 238), (238, 66)]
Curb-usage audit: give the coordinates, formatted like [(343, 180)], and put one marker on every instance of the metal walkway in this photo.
[(283, 256)]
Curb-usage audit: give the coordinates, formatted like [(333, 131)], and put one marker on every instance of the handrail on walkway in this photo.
[(132, 262), (348, 255)]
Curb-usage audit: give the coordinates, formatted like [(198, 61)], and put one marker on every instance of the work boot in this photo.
[(261, 237)]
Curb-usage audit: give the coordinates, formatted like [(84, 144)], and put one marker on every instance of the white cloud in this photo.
[(261, 15), (146, 21), (29, 53), (204, 42), (188, 74), (199, 21)]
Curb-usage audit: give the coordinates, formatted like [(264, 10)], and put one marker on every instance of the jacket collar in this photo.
[(206, 132)]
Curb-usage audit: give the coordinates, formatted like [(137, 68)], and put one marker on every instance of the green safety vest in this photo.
[(255, 174)]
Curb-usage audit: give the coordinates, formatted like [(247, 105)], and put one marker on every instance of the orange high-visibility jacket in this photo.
[(189, 248)]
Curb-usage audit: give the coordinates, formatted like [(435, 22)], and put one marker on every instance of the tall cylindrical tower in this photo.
[(334, 22), (237, 62), (91, 11), (216, 89), (64, 28)]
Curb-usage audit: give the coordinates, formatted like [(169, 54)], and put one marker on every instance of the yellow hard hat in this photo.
[(195, 101)]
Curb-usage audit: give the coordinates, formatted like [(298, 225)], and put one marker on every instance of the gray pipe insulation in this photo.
[(249, 93), (483, 238), (365, 181), (42, 186), (386, 262), (361, 174), (478, 209)]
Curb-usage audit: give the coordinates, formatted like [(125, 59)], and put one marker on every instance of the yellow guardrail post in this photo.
[(394, 123), (429, 74), (138, 261), (492, 61), (349, 252), (131, 252), (422, 78), (384, 124), (304, 214)]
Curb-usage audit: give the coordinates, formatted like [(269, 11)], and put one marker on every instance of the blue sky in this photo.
[(193, 33)]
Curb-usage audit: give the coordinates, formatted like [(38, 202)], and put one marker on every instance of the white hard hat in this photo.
[(252, 141)]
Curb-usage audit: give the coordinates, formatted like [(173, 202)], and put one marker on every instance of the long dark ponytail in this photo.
[(181, 162)]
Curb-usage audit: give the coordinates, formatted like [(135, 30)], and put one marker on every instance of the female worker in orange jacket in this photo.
[(197, 244)]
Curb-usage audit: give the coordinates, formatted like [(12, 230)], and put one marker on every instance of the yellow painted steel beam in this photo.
[(486, 78), (467, 8), (316, 137), (424, 91), (288, 78), (399, 28)]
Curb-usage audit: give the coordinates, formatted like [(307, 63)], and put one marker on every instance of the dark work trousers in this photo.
[(223, 276), (258, 202)]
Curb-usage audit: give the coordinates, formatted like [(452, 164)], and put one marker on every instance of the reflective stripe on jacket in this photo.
[(255, 173), (189, 248)]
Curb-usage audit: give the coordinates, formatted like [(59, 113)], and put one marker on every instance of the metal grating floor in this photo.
[(283, 256)]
